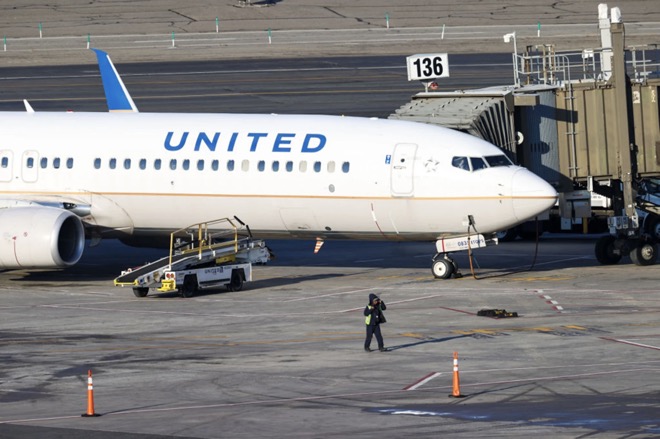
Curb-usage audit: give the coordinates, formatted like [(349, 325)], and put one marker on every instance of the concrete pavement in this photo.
[(166, 30)]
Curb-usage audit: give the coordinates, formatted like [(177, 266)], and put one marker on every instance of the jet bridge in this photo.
[(586, 121), (485, 113)]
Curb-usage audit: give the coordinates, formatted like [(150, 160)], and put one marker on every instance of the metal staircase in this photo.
[(205, 244)]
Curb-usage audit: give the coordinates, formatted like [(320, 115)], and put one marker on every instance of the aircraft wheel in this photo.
[(236, 282), (442, 269), (140, 291), (605, 250), (645, 253), (653, 227), (189, 287)]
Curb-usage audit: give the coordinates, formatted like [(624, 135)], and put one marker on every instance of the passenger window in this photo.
[(44, 162), (331, 166), (317, 166), (345, 167), (200, 165), (97, 163), (289, 166), (186, 164), (302, 166), (157, 164), (215, 165), (56, 163), (261, 165), (477, 163), (173, 164), (113, 163), (29, 163), (127, 163), (143, 164), (276, 166), (5, 162), (230, 165), (69, 163), (245, 165)]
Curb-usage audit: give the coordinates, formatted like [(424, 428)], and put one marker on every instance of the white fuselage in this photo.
[(147, 174)]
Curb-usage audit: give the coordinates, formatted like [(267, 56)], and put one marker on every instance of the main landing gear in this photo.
[(443, 267), (610, 249)]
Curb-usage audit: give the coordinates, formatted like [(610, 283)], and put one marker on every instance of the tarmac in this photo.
[(60, 31), (284, 358)]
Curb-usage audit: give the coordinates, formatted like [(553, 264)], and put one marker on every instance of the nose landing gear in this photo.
[(443, 267)]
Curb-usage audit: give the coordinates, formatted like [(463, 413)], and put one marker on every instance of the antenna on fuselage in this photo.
[(28, 107)]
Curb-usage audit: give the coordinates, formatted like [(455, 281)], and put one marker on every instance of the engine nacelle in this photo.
[(40, 237)]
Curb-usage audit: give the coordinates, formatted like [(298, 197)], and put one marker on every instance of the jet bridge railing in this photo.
[(543, 65)]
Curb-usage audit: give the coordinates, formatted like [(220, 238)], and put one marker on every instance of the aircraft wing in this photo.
[(79, 207)]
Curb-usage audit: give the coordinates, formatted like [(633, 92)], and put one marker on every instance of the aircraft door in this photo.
[(29, 166), (402, 170), (6, 165)]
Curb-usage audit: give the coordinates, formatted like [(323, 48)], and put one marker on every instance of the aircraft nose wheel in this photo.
[(443, 268)]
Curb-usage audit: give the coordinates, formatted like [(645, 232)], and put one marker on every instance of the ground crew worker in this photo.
[(374, 317)]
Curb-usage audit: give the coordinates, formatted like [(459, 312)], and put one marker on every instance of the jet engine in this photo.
[(40, 237)]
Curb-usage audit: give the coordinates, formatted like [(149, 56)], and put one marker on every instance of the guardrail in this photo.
[(549, 67)]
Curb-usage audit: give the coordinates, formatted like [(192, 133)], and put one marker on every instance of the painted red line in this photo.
[(553, 303), (457, 310), (421, 381)]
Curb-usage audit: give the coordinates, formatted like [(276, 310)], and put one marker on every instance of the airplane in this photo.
[(134, 176)]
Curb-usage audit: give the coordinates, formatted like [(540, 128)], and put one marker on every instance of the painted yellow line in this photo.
[(413, 335), (579, 328)]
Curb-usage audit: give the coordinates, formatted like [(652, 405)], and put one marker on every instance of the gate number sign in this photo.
[(427, 66)]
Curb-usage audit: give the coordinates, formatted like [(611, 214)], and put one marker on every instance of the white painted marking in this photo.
[(422, 381), (299, 299), (632, 343)]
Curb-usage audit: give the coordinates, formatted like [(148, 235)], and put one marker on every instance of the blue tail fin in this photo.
[(116, 95)]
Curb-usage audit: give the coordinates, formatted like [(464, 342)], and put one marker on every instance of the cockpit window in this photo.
[(498, 160), (477, 163), (460, 163)]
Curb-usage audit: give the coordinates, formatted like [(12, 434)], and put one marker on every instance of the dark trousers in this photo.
[(371, 331)]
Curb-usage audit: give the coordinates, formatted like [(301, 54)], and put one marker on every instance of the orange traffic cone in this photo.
[(90, 397), (456, 389)]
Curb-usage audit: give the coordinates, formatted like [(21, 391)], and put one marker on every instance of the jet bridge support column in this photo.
[(625, 141), (628, 238)]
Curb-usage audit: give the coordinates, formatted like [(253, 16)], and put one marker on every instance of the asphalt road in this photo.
[(372, 86)]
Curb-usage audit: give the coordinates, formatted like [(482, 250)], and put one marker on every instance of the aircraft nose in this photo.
[(531, 195)]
